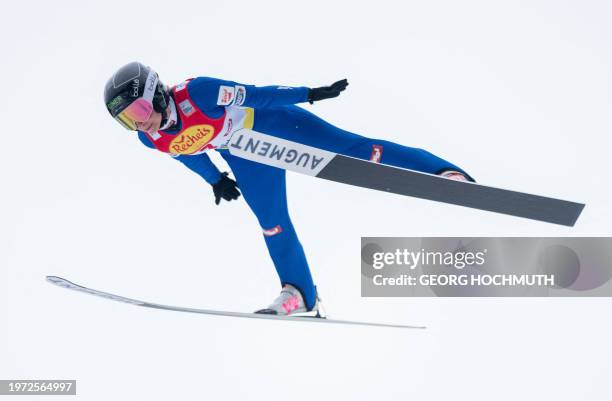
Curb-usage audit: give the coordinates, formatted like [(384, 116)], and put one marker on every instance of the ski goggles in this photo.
[(135, 111)]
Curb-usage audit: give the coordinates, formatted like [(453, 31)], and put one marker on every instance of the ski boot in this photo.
[(291, 303)]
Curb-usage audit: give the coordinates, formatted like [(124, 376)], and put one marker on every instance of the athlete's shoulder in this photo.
[(145, 140), (203, 85), (214, 92)]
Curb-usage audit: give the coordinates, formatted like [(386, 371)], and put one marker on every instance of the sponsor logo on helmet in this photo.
[(240, 95), (135, 85), (192, 139), (115, 104), (152, 83), (186, 107), (272, 231), (376, 155), (181, 86), (226, 95)]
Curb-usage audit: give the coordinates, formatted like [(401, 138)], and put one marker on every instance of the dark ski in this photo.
[(266, 149)]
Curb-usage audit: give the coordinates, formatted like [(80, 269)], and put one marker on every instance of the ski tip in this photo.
[(62, 282)]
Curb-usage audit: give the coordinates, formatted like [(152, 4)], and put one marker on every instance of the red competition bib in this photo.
[(198, 132)]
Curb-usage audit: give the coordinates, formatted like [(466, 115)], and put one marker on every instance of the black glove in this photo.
[(326, 92), (225, 188)]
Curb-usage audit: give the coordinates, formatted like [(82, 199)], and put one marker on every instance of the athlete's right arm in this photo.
[(211, 93), (199, 164)]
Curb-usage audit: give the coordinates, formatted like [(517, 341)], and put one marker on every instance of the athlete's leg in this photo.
[(263, 188), (296, 124)]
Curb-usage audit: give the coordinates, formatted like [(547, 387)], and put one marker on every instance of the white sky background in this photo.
[(518, 93)]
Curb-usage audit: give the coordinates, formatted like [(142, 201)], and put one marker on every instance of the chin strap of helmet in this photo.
[(164, 119), (169, 115), (161, 101), (161, 98)]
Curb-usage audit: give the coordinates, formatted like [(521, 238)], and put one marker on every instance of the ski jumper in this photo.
[(211, 110)]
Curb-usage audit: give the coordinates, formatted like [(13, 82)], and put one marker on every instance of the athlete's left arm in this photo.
[(209, 93), (199, 164)]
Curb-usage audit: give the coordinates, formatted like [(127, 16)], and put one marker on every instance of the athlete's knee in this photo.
[(272, 230), (281, 228)]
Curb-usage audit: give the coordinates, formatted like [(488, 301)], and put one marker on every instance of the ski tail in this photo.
[(381, 177)]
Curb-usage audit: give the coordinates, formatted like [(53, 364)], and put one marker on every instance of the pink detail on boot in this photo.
[(291, 304)]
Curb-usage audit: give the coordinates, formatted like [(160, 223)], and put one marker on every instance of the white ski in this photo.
[(67, 284)]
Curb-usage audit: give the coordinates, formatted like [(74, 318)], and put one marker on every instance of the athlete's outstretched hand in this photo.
[(225, 188), (326, 92)]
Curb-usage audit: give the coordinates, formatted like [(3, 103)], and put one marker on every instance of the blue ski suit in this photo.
[(262, 186)]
